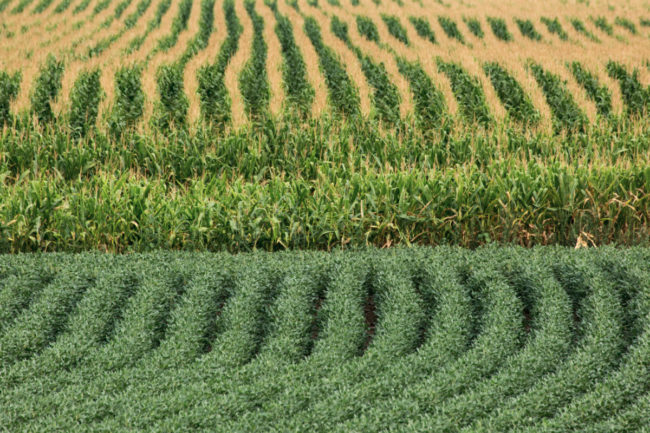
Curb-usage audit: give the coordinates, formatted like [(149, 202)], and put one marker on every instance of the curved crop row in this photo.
[(442, 339)]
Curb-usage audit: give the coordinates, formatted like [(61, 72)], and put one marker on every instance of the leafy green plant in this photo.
[(253, 78), (474, 26), (597, 93), (85, 97), (170, 110), (344, 97), (514, 99), (423, 28), (178, 25), (468, 93), (395, 28), (626, 24), (566, 113), (601, 23), (579, 26), (527, 29), (367, 28), (554, 26), (128, 106), (46, 89), (499, 28), (450, 28), (429, 101), (636, 98), (300, 92), (213, 95), (9, 88)]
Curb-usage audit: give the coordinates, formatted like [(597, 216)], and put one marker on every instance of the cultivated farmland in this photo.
[(538, 340), (132, 125)]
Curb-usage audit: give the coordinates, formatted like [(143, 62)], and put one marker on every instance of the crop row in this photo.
[(532, 204), (443, 339), (344, 98)]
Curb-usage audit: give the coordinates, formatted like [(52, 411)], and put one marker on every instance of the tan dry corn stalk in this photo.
[(206, 56), (114, 58), (378, 54), (231, 76), (149, 84), (347, 58), (309, 55), (273, 59)]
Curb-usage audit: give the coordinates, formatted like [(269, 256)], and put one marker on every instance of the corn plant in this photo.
[(298, 89), (554, 26), (85, 97), (128, 106), (499, 28), (429, 102), (46, 89), (514, 99), (395, 28), (367, 28), (81, 7), (636, 98), (9, 88), (178, 25), (601, 23), (527, 29), (206, 25), (601, 95), (474, 26), (423, 28), (385, 98), (450, 28), (580, 27), (626, 24), (344, 96), (170, 110), (468, 93), (253, 79), (153, 24), (566, 113), (62, 6)]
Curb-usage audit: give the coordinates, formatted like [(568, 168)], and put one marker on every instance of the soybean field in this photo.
[(443, 339), (138, 125)]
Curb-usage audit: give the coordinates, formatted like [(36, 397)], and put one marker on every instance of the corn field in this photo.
[(133, 125)]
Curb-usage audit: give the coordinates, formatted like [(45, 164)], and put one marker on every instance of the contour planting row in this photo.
[(442, 339), (172, 102), (172, 105)]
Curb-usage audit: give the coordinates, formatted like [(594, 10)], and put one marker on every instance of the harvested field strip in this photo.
[(164, 338)]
